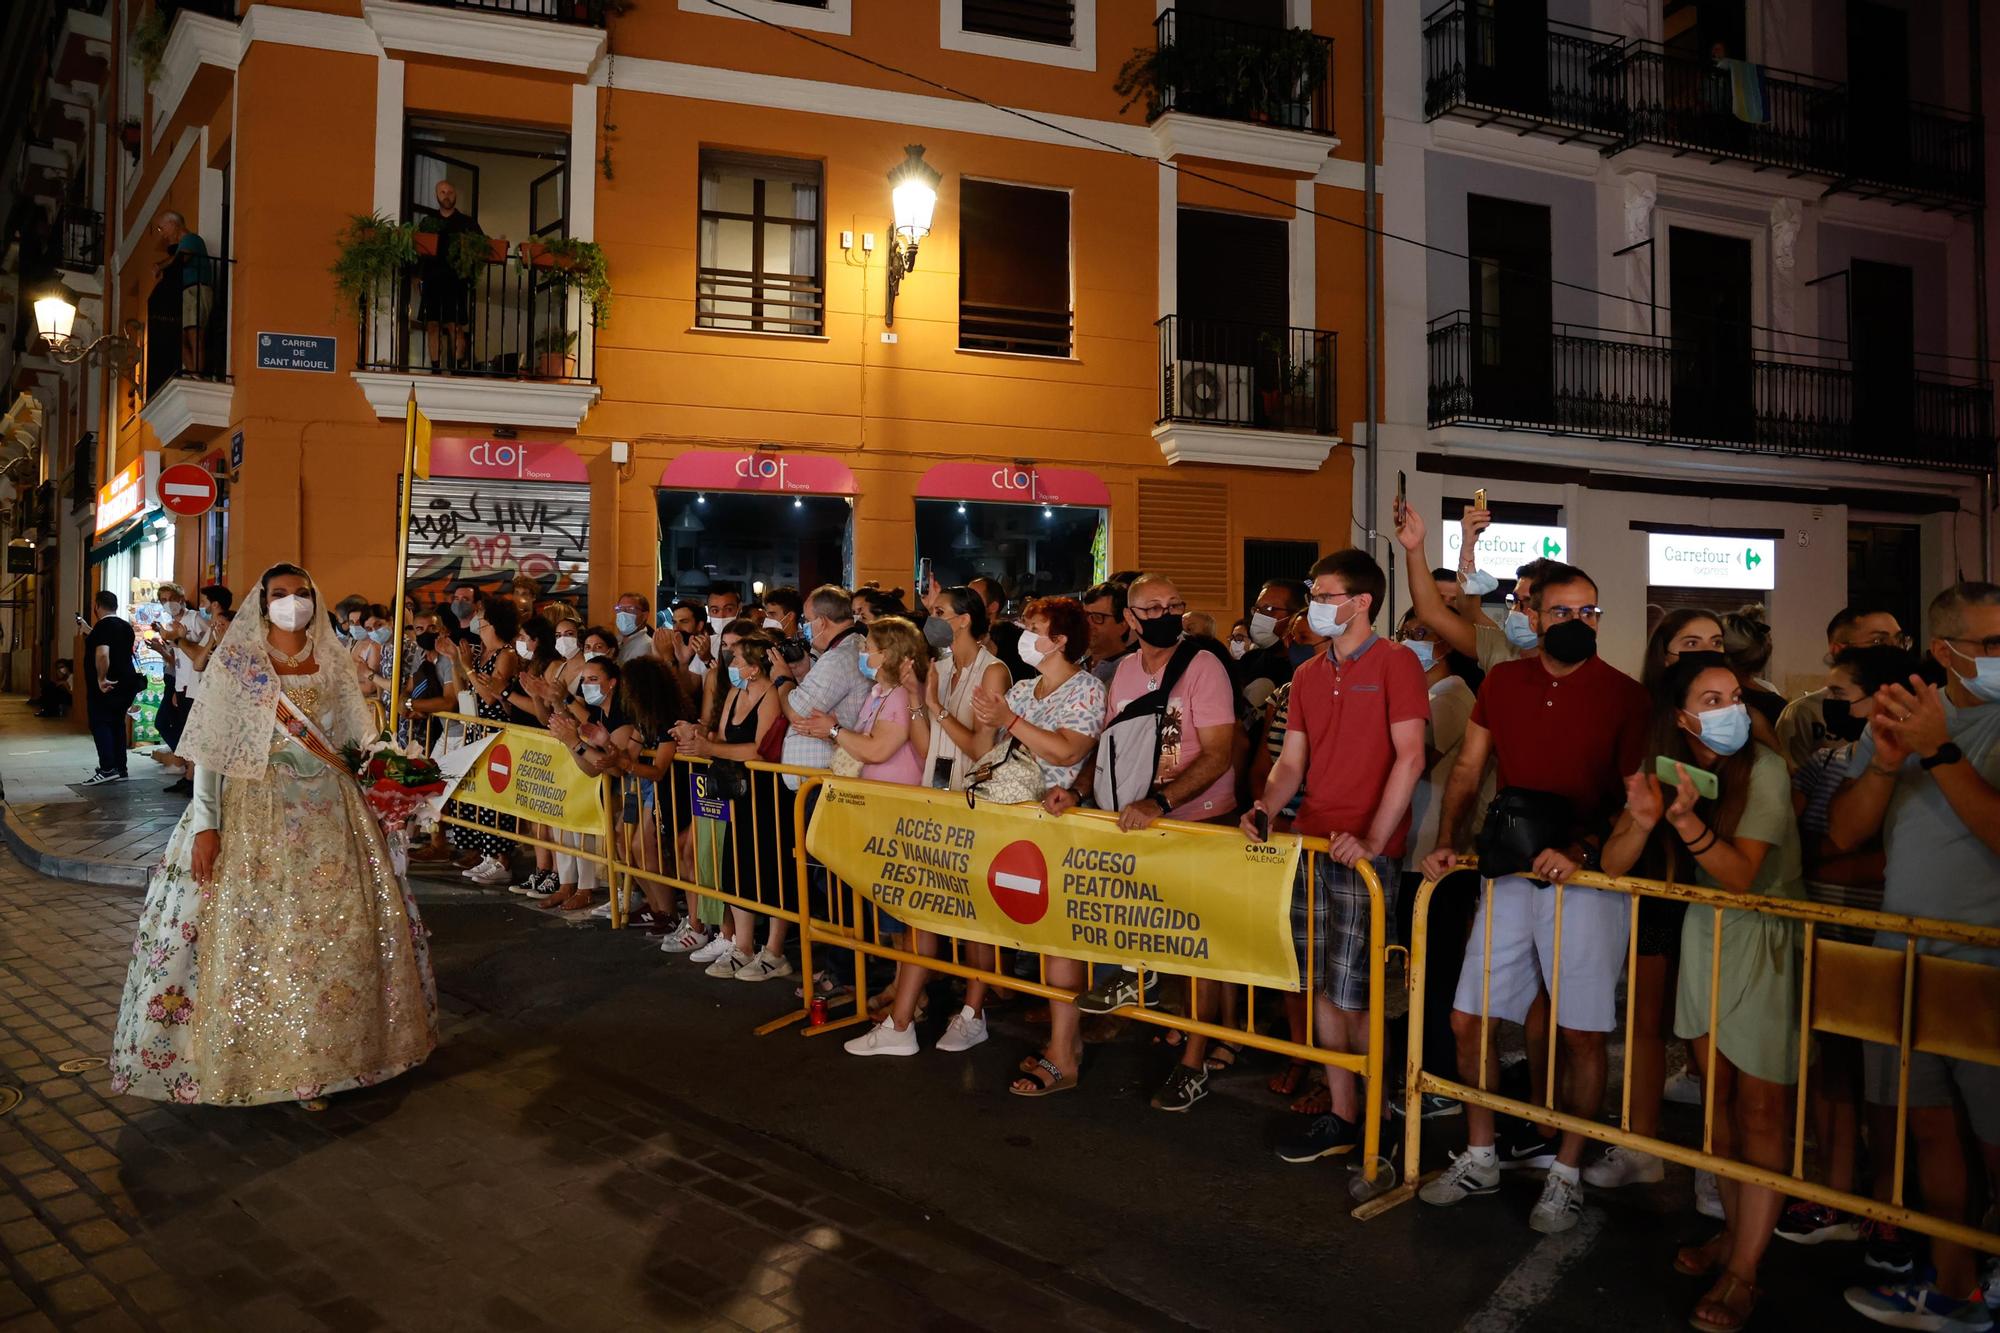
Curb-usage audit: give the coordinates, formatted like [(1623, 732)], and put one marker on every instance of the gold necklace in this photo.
[(284, 658)]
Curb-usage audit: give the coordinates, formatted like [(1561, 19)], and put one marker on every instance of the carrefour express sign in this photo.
[(1505, 547), (1697, 560)]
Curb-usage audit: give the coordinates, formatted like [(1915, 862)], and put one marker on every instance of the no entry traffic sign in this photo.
[(499, 767), (187, 489), (1019, 880)]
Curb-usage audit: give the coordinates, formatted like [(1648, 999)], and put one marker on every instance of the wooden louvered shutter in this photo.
[(1184, 534)]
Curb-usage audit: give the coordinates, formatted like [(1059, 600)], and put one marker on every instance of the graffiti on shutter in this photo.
[(472, 533)]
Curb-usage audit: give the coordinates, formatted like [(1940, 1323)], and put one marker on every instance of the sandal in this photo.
[(1222, 1056), (824, 987), (1171, 1038), (1317, 1100), (1722, 1312), (1285, 1083), (1047, 1077), (1703, 1259)]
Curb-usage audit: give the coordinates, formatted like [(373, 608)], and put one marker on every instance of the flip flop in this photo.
[(1055, 1082), (1695, 1260)]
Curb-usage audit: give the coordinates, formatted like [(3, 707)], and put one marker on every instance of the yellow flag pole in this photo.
[(413, 423)]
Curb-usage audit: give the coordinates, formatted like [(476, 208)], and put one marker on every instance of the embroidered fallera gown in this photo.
[(301, 968)]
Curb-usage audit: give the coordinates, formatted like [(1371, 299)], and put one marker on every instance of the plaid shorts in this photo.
[(1338, 923)]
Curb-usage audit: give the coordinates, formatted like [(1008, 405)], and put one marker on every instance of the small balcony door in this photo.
[(1508, 244), (1233, 276), (1878, 90), (1882, 341), (1709, 296), (1506, 54)]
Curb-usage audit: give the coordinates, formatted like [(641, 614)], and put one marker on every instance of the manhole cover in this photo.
[(9, 1099), (78, 1066)]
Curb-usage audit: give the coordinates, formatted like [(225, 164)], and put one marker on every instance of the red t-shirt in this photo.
[(1577, 736), (1345, 710)]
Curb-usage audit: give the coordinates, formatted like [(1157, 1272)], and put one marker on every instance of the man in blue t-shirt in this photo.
[(186, 255), (1926, 776)]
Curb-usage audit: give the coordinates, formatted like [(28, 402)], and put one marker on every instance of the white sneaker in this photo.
[(684, 937), (765, 967), (1684, 1088), (490, 870), (729, 964), (1624, 1166), (1560, 1206), (718, 945), (1464, 1178), (965, 1031), (603, 909), (1707, 1197), (885, 1038)]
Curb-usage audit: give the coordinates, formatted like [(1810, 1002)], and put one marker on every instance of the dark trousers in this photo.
[(172, 717), (107, 728)]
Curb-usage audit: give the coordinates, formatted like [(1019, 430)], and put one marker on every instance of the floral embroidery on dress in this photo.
[(170, 1006)]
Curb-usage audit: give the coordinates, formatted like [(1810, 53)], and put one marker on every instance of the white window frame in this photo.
[(1081, 53), (836, 18)]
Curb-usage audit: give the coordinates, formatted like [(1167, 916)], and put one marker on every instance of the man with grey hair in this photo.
[(184, 257), (1926, 777), (830, 697)]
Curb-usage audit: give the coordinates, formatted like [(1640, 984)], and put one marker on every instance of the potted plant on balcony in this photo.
[(149, 42), (1289, 401), (581, 262), (555, 354), (373, 250)]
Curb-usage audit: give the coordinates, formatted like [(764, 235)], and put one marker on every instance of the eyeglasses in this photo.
[(1556, 615), (1989, 647), (1100, 617), (1882, 638), (1173, 608), (1331, 598), (1273, 610)]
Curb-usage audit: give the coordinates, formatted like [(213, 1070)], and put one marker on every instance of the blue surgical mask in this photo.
[(381, 634), (1425, 650), (867, 667), (628, 622), (1984, 682), (1518, 631), (1725, 730), (593, 693), (735, 678)]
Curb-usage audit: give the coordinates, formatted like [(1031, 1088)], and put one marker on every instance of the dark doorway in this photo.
[(1260, 13), (1878, 90), (1709, 297), (1882, 340), (1508, 244), (1506, 54), (1234, 300), (1267, 560), (1703, 28), (1885, 569)]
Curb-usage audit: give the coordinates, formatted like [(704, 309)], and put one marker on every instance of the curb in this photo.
[(77, 869)]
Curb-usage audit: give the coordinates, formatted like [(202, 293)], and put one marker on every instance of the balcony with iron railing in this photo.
[(79, 239), (1732, 109), (1224, 70), (184, 381), (1246, 376), (1717, 392), (588, 13), (1471, 72), (516, 319)]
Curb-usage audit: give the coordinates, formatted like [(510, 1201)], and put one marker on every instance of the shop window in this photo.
[(742, 540), (760, 245), (1013, 279), (1033, 550)]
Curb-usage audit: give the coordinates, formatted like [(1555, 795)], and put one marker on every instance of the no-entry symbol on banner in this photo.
[(1019, 879), (499, 768), (187, 489)]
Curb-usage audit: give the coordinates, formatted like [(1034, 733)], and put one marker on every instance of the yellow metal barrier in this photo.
[(1916, 1002), (852, 921)]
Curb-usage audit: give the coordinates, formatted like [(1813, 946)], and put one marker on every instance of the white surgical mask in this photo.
[(1984, 682), (1518, 631), (1238, 647), (773, 624), (524, 647), (1326, 621), (1725, 730), (293, 612), (476, 624), (1031, 651), (566, 646), (1263, 630), (716, 622), (628, 622), (593, 693)]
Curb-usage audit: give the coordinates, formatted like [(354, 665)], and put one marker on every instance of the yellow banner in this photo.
[(1210, 905), (529, 774)]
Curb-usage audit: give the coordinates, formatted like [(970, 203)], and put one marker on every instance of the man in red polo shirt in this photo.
[(1564, 723), (1356, 739)]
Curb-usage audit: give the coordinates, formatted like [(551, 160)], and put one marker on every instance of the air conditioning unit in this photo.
[(1212, 392)]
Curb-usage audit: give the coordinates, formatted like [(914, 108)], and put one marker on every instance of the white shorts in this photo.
[(1595, 928)]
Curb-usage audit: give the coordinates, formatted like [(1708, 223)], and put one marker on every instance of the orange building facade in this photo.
[(1122, 342)]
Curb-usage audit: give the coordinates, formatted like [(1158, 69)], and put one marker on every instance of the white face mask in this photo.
[(1031, 651), (773, 624), (1238, 647), (292, 613), (1263, 630), (593, 693), (716, 620), (1326, 621), (566, 646), (524, 648)]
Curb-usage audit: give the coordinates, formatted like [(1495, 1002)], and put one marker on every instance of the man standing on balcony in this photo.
[(446, 297), (186, 253)]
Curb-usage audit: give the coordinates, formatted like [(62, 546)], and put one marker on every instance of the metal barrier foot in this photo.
[(835, 1024), (782, 1021), (1378, 1199), (1362, 1190)]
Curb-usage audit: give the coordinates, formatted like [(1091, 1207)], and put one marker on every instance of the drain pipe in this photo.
[(1980, 342), (1371, 336)]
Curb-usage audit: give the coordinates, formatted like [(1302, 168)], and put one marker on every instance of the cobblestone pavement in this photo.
[(498, 1188)]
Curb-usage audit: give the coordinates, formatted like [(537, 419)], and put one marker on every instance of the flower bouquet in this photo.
[(402, 789)]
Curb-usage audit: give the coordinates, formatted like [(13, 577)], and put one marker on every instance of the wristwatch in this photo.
[(833, 732), (1948, 753)]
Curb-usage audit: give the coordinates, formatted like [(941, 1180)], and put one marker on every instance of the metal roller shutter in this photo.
[(474, 532)]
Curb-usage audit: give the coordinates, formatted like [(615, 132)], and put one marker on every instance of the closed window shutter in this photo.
[(1184, 534), (1050, 21)]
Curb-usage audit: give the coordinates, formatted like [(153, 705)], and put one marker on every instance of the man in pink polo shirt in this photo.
[(1356, 740)]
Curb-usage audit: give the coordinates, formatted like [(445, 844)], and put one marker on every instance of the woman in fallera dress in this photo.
[(279, 955)]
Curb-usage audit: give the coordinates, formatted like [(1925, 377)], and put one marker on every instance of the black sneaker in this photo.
[(101, 778), (1183, 1088), (1435, 1107), (1807, 1223), (1886, 1250), (1118, 991), (1322, 1136), (1522, 1147), (543, 884)]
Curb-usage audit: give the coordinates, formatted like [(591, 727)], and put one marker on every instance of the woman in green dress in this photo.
[(1745, 840)]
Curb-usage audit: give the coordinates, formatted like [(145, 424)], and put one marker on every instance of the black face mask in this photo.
[(1570, 642), (1161, 631), (1841, 721)]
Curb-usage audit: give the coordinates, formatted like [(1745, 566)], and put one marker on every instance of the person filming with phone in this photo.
[(1713, 804)]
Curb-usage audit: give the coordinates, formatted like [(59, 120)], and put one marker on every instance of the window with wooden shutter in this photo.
[(1050, 21), (760, 245), (1184, 534), (1013, 270)]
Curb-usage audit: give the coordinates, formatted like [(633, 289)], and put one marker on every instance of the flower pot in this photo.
[(427, 243), (496, 249), (539, 255), (556, 365)]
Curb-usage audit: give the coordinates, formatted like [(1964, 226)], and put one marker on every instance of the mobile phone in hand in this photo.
[(1704, 781), (1263, 825)]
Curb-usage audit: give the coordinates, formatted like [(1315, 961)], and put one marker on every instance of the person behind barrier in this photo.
[(1355, 737), (1802, 727), (633, 617), (1745, 841), (830, 695), (1926, 774), (588, 727), (1563, 728), (640, 754), (702, 847), (1055, 715), (489, 673), (1111, 636), (1003, 636), (1268, 664), (1466, 629)]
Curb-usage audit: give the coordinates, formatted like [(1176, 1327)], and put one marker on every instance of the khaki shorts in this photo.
[(196, 303)]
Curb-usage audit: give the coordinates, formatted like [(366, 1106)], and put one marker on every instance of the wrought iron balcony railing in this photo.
[(1217, 372), (1707, 392), (1470, 72), (79, 239), (187, 323), (514, 320), (1241, 71), (589, 13)]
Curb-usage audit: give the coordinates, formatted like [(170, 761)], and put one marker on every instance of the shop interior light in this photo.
[(1048, 512), (797, 503), (961, 507), (701, 499), (913, 187)]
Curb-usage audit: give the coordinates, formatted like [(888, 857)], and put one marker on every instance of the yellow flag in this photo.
[(417, 438)]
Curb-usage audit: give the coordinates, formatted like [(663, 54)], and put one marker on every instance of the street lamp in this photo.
[(55, 320), (913, 198)]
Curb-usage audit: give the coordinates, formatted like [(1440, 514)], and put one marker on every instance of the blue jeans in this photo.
[(107, 728)]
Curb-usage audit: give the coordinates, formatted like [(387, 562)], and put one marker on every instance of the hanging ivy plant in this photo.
[(373, 249), (584, 263)]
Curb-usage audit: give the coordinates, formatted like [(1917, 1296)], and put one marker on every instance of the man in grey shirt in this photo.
[(833, 691), (1926, 775)]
